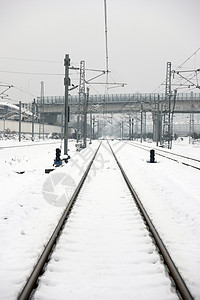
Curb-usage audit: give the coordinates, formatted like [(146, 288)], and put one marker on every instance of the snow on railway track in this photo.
[(105, 250), (171, 202), (182, 159), (170, 193)]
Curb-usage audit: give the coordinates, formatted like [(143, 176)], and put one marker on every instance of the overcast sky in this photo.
[(142, 36)]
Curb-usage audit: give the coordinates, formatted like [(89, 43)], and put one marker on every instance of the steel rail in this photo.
[(179, 282), (161, 150), (183, 163), (179, 155), (30, 145), (32, 280)]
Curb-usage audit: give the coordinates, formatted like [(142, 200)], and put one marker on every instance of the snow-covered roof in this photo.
[(13, 107)]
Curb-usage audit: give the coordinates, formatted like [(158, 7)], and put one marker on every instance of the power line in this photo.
[(49, 74), (24, 91), (13, 86), (178, 68), (188, 58), (31, 73), (33, 60)]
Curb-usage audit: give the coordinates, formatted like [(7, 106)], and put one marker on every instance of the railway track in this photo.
[(185, 160), (29, 145), (105, 246)]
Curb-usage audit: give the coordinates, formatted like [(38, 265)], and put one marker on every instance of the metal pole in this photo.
[(81, 102), (20, 120), (132, 125), (90, 124), (99, 129), (85, 119), (158, 122), (129, 127), (62, 121), (167, 110), (4, 124), (141, 120), (33, 115), (78, 121), (66, 84), (191, 128), (41, 121), (43, 118), (93, 125), (136, 126), (161, 122), (42, 108), (77, 129), (169, 125)]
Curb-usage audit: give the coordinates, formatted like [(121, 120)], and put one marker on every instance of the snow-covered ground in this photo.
[(170, 193), (27, 219), (105, 251)]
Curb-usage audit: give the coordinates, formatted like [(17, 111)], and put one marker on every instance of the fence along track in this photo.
[(177, 278), (32, 280)]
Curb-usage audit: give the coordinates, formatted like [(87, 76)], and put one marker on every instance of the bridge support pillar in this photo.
[(50, 118)]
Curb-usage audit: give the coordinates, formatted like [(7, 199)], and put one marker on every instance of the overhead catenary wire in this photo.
[(188, 59), (31, 60), (52, 74), (179, 67), (32, 73), (14, 86)]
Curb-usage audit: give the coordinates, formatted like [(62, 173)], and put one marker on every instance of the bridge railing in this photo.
[(116, 98)]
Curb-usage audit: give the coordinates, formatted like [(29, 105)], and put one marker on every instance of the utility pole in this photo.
[(106, 43), (129, 127), (167, 126), (136, 126), (145, 125), (33, 116), (41, 124), (122, 130), (85, 119), (90, 124), (62, 125), (93, 125), (66, 117), (20, 120), (159, 122), (191, 128), (132, 127), (81, 98), (99, 129), (141, 121), (157, 131)]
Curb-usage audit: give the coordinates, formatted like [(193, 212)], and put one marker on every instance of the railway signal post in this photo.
[(66, 84)]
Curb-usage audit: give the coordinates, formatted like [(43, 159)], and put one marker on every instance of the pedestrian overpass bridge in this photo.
[(121, 103)]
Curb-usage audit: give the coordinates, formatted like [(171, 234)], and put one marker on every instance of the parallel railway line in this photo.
[(185, 160), (129, 216), (28, 145)]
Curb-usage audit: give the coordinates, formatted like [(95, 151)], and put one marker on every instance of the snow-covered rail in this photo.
[(105, 250), (185, 160), (30, 144)]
